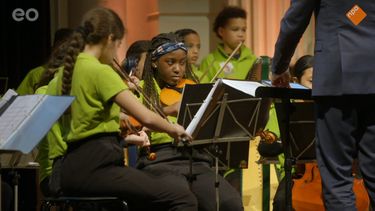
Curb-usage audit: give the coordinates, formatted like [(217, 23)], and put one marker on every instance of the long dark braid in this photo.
[(76, 45), (56, 60), (149, 87)]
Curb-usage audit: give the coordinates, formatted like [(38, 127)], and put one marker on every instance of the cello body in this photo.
[(307, 191)]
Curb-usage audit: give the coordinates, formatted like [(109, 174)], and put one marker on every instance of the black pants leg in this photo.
[(203, 186), (345, 129), (96, 168)]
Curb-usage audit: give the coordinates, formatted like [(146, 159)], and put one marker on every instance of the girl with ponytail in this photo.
[(93, 164)]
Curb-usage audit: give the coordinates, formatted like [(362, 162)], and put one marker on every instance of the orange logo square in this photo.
[(356, 15)]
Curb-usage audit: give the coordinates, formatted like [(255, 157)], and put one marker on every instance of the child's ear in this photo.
[(109, 39), (220, 31)]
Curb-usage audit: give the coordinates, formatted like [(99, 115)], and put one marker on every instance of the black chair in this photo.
[(66, 203)]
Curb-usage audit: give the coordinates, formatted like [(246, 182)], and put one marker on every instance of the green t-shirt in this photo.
[(27, 86), (52, 145), (237, 68), (57, 145), (93, 85), (158, 137)]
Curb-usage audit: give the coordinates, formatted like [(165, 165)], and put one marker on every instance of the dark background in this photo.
[(23, 45)]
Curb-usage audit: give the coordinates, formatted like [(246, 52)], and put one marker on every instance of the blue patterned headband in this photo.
[(167, 48)]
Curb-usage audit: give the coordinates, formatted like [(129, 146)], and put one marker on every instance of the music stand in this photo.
[(233, 120), (230, 120), (25, 120), (284, 112), (301, 130)]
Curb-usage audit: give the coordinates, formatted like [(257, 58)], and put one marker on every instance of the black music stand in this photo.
[(284, 113), (301, 130), (231, 119)]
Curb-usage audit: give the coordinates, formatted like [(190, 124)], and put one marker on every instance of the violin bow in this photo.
[(226, 62), (126, 76)]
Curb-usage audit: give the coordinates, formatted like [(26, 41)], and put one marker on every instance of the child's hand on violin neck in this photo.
[(133, 83)]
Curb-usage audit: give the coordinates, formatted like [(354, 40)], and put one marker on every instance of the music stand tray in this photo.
[(230, 121)]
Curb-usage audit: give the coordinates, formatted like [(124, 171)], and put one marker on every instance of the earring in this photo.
[(154, 65)]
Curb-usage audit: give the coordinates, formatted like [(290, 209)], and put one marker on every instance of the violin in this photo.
[(130, 124), (268, 136), (172, 94)]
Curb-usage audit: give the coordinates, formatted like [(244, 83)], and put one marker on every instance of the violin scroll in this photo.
[(268, 136)]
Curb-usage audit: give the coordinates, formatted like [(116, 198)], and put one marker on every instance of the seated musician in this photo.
[(165, 67), (133, 65)]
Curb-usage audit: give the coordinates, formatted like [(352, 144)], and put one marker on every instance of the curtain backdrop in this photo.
[(263, 21)]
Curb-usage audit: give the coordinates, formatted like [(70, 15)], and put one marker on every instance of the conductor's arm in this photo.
[(292, 27)]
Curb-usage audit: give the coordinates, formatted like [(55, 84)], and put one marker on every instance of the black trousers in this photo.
[(173, 164), (345, 129), (95, 166)]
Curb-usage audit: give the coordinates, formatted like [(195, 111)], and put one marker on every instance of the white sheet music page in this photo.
[(194, 122), (16, 114), (247, 87), (9, 94)]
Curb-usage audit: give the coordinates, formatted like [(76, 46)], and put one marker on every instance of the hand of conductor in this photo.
[(281, 80)]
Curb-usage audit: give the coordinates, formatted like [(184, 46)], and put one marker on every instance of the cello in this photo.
[(307, 190)]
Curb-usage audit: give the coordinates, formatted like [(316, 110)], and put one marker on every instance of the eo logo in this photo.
[(19, 14)]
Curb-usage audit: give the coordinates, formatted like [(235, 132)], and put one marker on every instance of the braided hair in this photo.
[(150, 71), (97, 24), (56, 58)]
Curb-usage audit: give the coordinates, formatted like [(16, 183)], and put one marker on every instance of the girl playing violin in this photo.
[(93, 164), (165, 66)]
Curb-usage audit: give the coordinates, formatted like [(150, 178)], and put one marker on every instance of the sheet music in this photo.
[(194, 122), (16, 114), (247, 87), (7, 96), (26, 120)]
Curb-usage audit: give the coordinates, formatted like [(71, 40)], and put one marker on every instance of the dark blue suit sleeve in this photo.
[(292, 27)]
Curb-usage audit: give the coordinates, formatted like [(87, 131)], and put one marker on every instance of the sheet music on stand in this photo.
[(24, 120), (226, 114)]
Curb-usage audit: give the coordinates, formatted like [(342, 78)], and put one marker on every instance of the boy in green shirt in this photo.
[(230, 28)]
